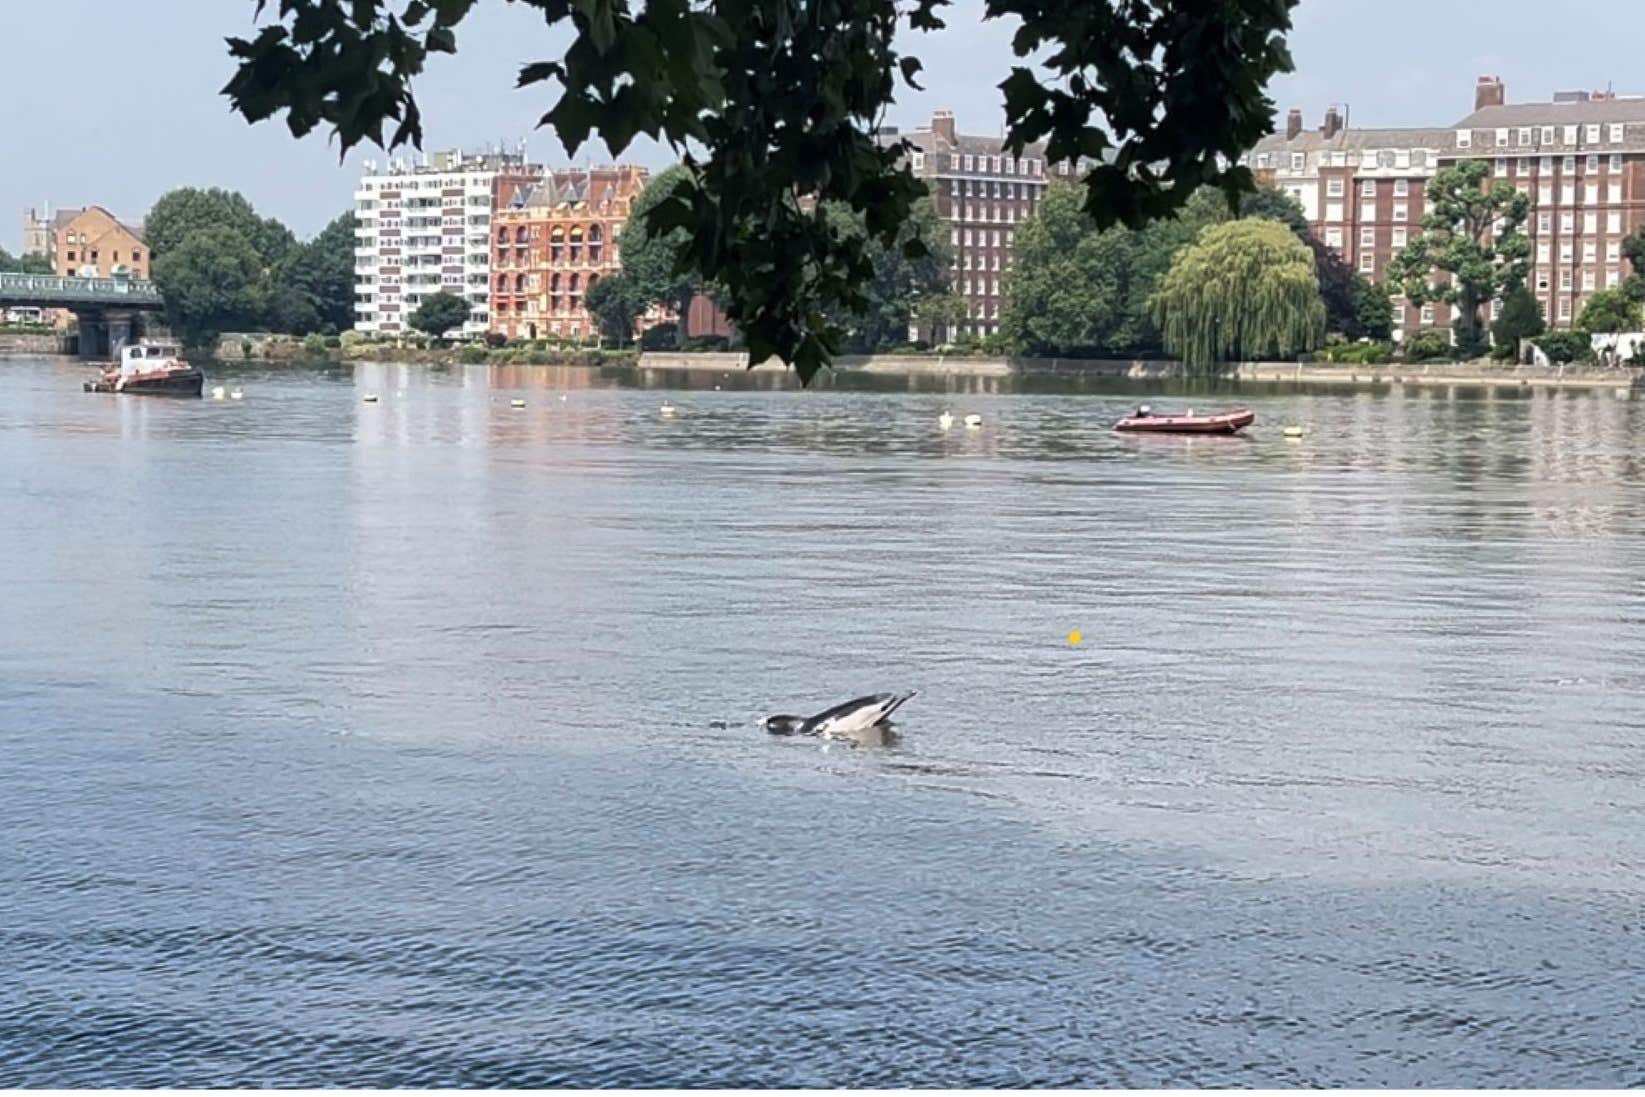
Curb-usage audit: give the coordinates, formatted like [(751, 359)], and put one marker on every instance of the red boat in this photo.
[(150, 368), (1186, 422)]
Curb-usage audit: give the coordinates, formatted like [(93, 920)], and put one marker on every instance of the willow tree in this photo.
[(1245, 289), (1471, 250)]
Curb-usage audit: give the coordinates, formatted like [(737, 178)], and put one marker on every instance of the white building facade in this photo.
[(424, 226)]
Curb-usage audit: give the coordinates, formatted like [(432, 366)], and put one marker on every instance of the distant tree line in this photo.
[(220, 267)]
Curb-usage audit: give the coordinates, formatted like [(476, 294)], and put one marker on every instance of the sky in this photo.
[(112, 102)]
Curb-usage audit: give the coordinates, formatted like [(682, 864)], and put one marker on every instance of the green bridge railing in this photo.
[(50, 290)]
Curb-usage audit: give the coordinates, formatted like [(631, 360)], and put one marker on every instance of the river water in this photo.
[(416, 742)]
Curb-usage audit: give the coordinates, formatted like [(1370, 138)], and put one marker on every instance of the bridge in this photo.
[(106, 308)]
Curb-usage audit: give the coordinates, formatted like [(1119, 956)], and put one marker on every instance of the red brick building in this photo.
[(1580, 159), (552, 243)]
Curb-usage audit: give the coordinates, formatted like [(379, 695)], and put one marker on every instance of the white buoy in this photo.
[(371, 397), (217, 392), (973, 421), (516, 403), (236, 395), (666, 410), (1293, 432), (562, 397), (945, 420)]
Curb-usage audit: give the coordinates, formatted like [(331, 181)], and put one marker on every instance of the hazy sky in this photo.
[(114, 102)]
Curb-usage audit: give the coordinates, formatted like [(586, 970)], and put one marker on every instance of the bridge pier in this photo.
[(104, 331)]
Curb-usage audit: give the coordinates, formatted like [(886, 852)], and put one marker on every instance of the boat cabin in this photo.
[(147, 357)]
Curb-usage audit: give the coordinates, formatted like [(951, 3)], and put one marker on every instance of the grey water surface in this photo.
[(417, 742)]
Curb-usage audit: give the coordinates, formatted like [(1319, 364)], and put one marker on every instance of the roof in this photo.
[(929, 141), (1351, 140), (1555, 114)]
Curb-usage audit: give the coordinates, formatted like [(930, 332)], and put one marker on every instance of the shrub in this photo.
[(662, 336), (314, 345), (333, 342), (1564, 347), (245, 348), (708, 343), (1366, 354), (495, 339), (472, 354), (354, 338), (1428, 345)]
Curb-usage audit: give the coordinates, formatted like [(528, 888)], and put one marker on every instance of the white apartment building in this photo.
[(425, 227)]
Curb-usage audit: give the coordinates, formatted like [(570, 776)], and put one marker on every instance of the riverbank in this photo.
[(1444, 374)]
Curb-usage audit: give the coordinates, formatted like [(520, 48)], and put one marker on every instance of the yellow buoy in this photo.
[(1076, 637)]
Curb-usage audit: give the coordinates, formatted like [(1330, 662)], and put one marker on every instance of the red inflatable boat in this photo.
[(1186, 422)]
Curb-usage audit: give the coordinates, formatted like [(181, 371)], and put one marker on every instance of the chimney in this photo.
[(942, 124), (1293, 124), (1489, 92), (1333, 123)]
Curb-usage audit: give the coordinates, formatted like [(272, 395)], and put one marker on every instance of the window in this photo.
[(1565, 278), (1419, 158), (1612, 277), (1616, 161), (1333, 188), (970, 163), (1265, 160), (996, 163), (1501, 138), (1568, 165), (1333, 211), (1368, 188), (1525, 137), (1368, 212), (1542, 281), (1544, 252), (1590, 194), (1399, 236), (1400, 210), (71, 257), (1590, 251), (1546, 163), (1567, 222), (1592, 133), (1616, 133), (1465, 139), (1613, 250), (1565, 308), (1010, 166), (1427, 314), (1402, 187), (1368, 262), (1501, 170), (1588, 279), (1298, 160), (1367, 237), (1613, 221), (954, 237), (1590, 223), (967, 237), (1333, 237), (1544, 222), (1592, 164), (1547, 136), (1613, 192), (1569, 136), (1567, 194), (1545, 194)]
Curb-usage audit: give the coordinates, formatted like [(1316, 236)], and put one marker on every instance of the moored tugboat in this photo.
[(151, 369)]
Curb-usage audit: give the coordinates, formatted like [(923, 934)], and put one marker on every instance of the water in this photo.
[(376, 744)]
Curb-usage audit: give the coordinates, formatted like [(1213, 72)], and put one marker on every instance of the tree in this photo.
[(1246, 289), (774, 105), (1470, 251), (1608, 311), (33, 263), (914, 268), (439, 313), (1565, 347), (937, 316), (654, 262), (615, 304), (1373, 310), (1520, 319), (186, 209), (321, 273), (212, 281)]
